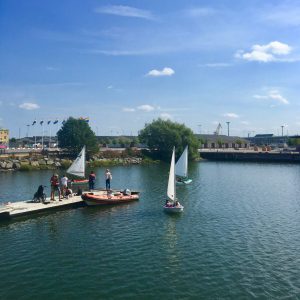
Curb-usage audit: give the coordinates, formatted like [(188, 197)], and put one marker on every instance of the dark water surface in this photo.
[(238, 238)]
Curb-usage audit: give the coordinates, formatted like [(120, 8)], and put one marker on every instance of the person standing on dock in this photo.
[(54, 187), (108, 178), (92, 179), (64, 185)]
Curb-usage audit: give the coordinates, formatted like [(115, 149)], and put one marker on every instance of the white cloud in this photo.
[(265, 53), (245, 123), (273, 95), (216, 65), (231, 115), (125, 11), (164, 72), (146, 108), (29, 106), (165, 116), (128, 109)]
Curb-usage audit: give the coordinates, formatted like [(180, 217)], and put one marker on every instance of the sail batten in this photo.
[(182, 164), (78, 166), (171, 192)]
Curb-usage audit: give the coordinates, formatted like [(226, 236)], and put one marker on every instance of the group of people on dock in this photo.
[(62, 188), (92, 180), (64, 191)]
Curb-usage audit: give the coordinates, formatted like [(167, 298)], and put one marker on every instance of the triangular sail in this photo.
[(182, 164), (78, 166), (171, 192)]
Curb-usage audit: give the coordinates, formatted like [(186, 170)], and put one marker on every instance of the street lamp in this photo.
[(228, 127), (282, 126), (199, 128)]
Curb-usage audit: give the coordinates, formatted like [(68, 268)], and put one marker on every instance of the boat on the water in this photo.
[(78, 169), (104, 197), (172, 205), (79, 181), (181, 168)]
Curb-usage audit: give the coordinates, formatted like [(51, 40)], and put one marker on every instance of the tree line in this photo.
[(160, 136)]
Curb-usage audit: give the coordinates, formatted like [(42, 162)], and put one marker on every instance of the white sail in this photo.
[(182, 164), (171, 192), (78, 166)]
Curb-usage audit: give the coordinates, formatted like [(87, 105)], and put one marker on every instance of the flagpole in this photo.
[(50, 136), (43, 136)]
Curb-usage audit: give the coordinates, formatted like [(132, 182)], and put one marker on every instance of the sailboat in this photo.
[(172, 205), (78, 168), (181, 168)]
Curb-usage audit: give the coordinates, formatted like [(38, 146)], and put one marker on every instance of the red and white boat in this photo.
[(109, 197)]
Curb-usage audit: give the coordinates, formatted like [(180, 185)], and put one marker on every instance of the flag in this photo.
[(84, 119), (55, 122), (48, 122), (34, 122), (41, 122)]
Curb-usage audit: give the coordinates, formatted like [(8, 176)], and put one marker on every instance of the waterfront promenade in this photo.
[(250, 155)]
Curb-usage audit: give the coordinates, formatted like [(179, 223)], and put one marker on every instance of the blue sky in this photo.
[(125, 63)]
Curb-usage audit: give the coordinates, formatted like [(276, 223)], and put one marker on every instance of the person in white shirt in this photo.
[(108, 178), (64, 184)]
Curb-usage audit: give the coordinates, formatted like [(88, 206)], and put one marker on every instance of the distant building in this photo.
[(268, 140), (215, 141), (4, 136)]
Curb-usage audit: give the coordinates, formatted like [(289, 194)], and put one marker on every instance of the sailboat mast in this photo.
[(84, 161), (174, 176)]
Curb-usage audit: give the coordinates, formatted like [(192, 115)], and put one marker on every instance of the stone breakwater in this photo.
[(46, 163)]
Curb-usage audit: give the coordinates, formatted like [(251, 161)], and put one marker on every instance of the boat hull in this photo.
[(173, 209), (79, 182), (184, 182), (93, 199)]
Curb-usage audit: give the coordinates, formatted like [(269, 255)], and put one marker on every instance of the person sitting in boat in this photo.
[(177, 204), (168, 203), (179, 179)]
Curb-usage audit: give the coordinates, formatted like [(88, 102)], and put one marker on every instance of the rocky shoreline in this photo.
[(47, 163)]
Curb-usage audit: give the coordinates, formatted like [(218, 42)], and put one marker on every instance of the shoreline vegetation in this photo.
[(50, 161)]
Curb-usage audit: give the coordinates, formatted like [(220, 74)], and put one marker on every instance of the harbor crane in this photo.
[(219, 127)]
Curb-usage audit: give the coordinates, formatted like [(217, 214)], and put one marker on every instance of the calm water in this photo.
[(238, 238)]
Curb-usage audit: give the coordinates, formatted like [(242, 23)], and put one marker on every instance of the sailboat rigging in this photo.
[(172, 205), (78, 167), (182, 168)]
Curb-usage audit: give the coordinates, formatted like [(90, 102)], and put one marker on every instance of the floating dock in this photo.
[(13, 210)]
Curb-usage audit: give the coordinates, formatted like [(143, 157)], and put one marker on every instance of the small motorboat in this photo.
[(109, 197)]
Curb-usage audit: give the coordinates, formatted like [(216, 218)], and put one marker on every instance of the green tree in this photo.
[(220, 143), (161, 136), (76, 133), (239, 142), (294, 142)]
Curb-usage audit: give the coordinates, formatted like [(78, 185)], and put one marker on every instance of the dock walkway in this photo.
[(12, 210)]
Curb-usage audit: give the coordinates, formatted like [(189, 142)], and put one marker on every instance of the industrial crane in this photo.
[(217, 132)]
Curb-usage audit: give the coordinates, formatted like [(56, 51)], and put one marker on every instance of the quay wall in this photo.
[(291, 157)]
